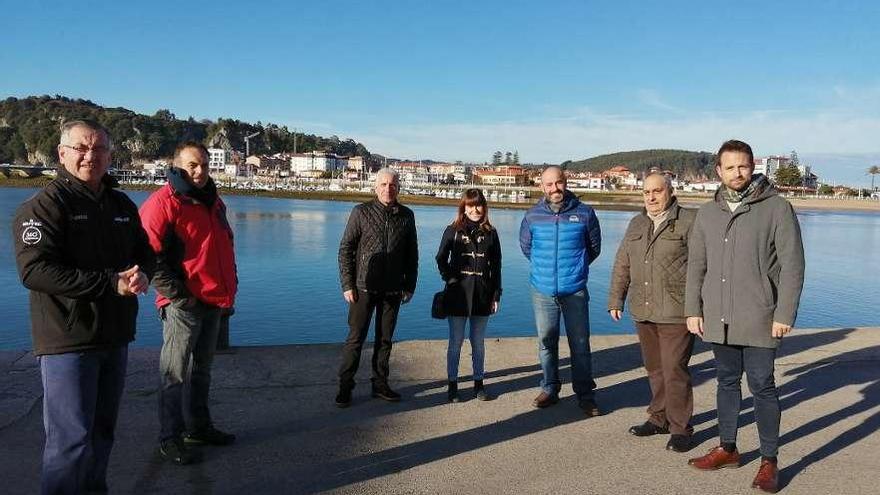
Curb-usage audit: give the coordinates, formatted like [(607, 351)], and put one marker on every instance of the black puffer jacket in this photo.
[(69, 242), (379, 250), (469, 260)]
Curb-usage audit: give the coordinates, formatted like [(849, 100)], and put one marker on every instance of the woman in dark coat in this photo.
[(469, 260)]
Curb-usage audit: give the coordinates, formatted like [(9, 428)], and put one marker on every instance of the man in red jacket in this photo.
[(195, 279)]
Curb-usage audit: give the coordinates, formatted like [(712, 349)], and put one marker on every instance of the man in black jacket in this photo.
[(81, 251), (378, 265)]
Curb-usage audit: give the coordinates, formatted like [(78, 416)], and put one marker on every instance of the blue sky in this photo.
[(456, 80)]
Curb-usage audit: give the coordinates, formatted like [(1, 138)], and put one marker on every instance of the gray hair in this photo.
[(388, 171), (69, 125), (667, 178)]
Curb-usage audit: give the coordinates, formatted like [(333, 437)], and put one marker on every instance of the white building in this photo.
[(702, 186), (239, 170), (218, 158), (156, 168), (589, 182), (316, 163), (770, 164)]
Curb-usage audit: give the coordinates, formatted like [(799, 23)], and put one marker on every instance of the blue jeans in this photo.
[(757, 362), (81, 396), (187, 333), (573, 309), (456, 337)]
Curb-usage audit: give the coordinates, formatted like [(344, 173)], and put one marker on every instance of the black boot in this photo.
[(480, 392), (343, 398), (452, 393)]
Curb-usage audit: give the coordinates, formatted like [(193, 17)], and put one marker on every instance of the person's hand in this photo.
[(495, 306), (350, 296), (695, 325), (138, 283), (615, 314), (131, 282), (406, 297), (779, 330)]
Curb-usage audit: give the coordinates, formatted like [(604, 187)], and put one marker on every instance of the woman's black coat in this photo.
[(469, 260)]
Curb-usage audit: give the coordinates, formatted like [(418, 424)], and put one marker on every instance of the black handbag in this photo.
[(438, 306)]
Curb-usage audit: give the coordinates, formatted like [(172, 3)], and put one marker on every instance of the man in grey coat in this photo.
[(745, 275)]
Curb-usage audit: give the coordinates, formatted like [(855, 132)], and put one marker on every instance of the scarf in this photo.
[(659, 218), (207, 195), (757, 186)]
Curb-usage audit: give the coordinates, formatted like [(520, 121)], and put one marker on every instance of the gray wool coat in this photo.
[(651, 266), (745, 269)]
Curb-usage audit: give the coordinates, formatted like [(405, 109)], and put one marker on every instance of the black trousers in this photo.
[(386, 307)]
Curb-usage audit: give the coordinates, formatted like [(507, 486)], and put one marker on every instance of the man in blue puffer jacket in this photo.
[(561, 237)]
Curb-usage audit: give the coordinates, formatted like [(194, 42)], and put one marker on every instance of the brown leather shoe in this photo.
[(717, 458), (545, 400), (767, 479)]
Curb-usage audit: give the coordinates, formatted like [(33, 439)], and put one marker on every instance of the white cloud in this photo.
[(585, 133), (652, 99)]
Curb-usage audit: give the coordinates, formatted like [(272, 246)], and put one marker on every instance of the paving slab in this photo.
[(292, 439)]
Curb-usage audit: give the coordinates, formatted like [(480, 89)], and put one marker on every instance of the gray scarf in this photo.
[(757, 186)]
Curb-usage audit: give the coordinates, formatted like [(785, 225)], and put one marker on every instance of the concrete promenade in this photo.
[(292, 439)]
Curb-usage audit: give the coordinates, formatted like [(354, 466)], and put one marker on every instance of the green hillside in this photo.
[(29, 132), (687, 164)]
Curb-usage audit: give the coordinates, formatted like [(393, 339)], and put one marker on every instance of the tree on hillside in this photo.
[(508, 158), (788, 176), (516, 157), (30, 132), (872, 171), (496, 158), (164, 114)]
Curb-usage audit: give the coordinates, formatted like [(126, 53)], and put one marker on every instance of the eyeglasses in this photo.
[(82, 150)]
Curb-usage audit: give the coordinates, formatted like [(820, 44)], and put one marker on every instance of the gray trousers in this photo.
[(187, 333)]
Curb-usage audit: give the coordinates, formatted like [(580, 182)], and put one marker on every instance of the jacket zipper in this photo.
[(556, 255)]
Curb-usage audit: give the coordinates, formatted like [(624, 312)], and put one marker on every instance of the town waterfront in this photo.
[(290, 292)]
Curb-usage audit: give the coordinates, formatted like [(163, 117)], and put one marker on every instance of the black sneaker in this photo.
[(679, 443), (176, 451), (452, 392), (343, 398), (589, 407), (647, 429), (208, 436), (480, 392), (384, 392)]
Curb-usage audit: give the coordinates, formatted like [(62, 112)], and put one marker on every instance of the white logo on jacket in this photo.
[(31, 234), (574, 218)]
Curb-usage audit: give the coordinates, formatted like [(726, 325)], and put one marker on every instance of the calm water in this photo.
[(289, 286)]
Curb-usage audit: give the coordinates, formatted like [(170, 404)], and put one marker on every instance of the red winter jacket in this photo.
[(194, 249)]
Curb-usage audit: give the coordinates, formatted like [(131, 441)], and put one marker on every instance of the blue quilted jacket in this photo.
[(561, 245)]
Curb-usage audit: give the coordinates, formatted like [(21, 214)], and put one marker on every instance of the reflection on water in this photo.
[(289, 282)]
